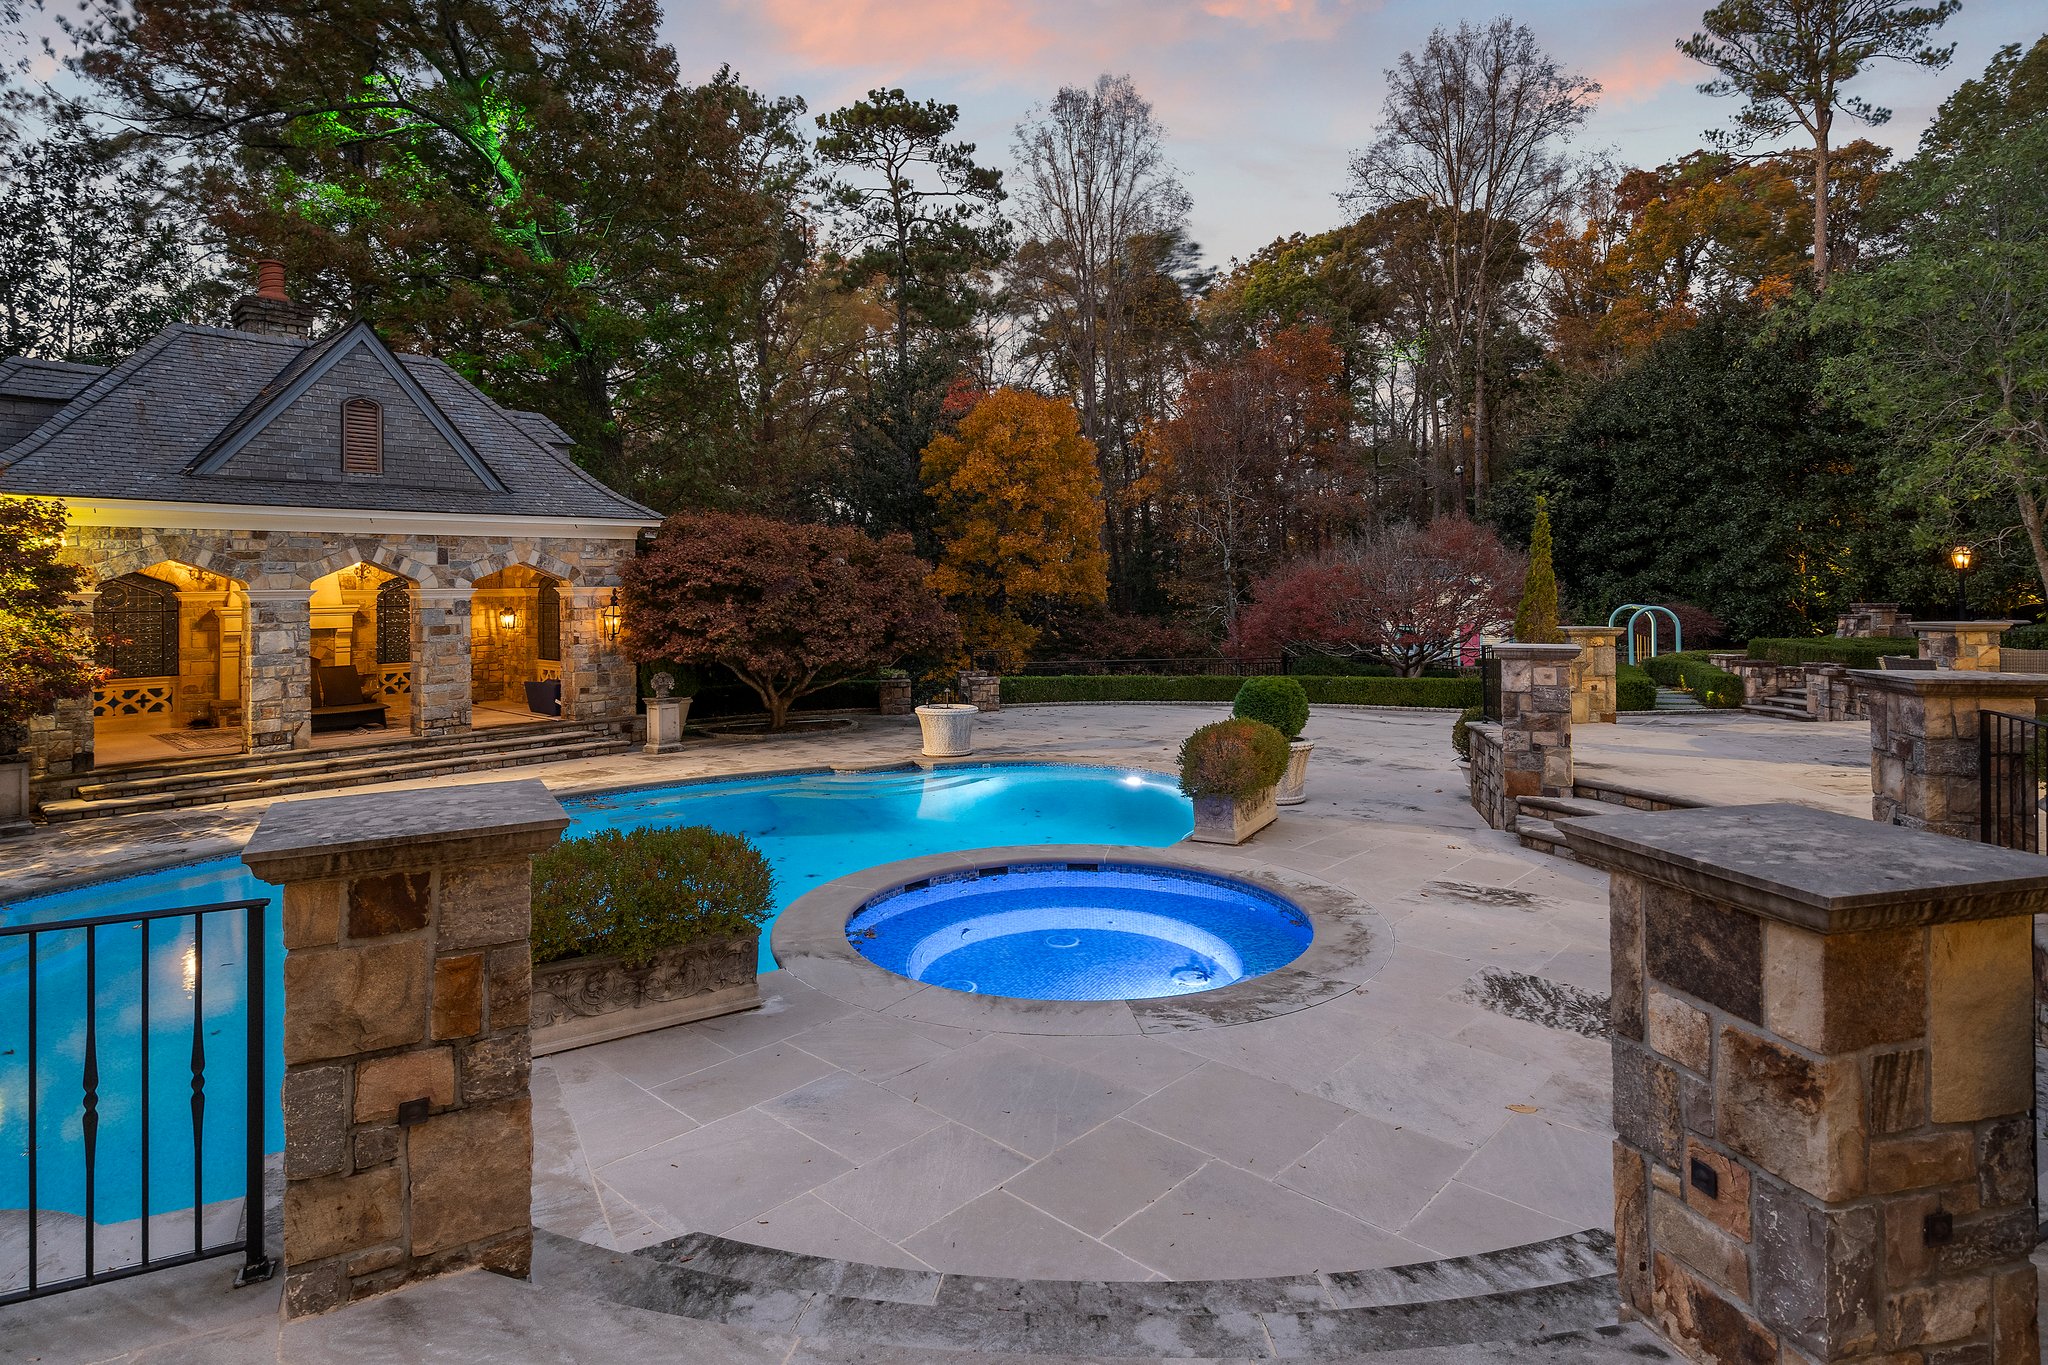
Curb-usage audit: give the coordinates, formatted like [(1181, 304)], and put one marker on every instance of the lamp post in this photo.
[(1960, 559)]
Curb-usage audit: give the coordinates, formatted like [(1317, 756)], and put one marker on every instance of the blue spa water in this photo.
[(1057, 933), (813, 829)]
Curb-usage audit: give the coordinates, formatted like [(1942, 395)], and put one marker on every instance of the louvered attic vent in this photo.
[(362, 437)]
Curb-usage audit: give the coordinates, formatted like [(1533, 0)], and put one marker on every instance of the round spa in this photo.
[(1078, 931)]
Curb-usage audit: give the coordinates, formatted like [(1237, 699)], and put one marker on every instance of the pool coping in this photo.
[(1352, 943)]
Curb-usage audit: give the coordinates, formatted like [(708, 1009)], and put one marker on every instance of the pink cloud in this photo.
[(901, 34), (1633, 77)]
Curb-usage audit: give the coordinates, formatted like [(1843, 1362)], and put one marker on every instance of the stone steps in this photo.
[(1561, 1292), (1537, 817), (1670, 699), (1789, 704), (345, 768)]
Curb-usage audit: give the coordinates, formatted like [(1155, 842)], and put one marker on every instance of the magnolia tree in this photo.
[(1412, 596), (45, 655), (791, 609)]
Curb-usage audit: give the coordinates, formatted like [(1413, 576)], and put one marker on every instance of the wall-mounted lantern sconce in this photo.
[(507, 619), (608, 616)]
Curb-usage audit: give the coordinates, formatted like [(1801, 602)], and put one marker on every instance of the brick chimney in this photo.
[(270, 311)]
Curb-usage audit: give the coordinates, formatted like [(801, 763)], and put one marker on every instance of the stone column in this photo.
[(1968, 646), (982, 690), (1925, 765), (597, 678), (1536, 719), (1593, 673), (1831, 692), (408, 1125), (440, 661), (1823, 1084), (277, 670)]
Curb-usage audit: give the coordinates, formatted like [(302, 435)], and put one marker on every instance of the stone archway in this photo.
[(173, 635)]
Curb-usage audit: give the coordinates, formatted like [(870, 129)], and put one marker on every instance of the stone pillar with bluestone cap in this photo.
[(1594, 684), (1823, 1086), (1536, 719), (1925, 760), (1967, 646), (408, 974)]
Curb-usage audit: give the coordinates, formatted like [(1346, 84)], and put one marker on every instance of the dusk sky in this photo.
[(1262, 99)]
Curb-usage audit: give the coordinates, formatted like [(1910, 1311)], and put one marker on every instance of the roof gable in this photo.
[(291, 429)]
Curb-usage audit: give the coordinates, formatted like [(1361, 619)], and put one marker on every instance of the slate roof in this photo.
[(142, 430), (48, 380)]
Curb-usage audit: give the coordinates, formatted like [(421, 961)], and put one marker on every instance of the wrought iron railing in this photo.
[(104, 1046), (2012, 781), (1489, 684)]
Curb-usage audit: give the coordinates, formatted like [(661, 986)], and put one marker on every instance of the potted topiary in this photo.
[(641, 929), (1282, 704), (1230, 770)]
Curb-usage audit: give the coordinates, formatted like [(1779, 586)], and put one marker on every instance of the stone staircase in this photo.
[(1537, 817), (215, 779), (1549, 1301), (1787, 704), (1671, 699)]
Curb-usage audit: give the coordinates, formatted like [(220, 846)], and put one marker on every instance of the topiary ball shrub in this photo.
[(629, 893), (1233, 758), (1279, 702), (1461, 730)]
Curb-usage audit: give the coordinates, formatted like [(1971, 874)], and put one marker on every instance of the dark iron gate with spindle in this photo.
[(1489, 684), (2011, 773), (80, 1030)]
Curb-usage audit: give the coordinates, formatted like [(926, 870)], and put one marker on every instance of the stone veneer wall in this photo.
[(1823, 1082), (407, 1005), (1488, 778), (1966, 646), (278, 568), (1595, 689), (1536, 719), (1925, 761)]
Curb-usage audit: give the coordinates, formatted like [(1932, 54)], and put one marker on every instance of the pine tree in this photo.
[(1536, 617)]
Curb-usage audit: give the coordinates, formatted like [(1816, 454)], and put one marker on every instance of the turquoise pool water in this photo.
[(813, 829)]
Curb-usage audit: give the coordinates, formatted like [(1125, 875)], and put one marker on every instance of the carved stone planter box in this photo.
[(14, 800), (583, 1000), (948, 730), (1225, 820), (1294, 783)]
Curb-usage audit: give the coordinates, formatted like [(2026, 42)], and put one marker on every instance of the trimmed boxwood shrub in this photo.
[(1634, 690), (1447, 694), (1233, 758), (1280, 702), (2026, 637), (1857, 653), (631, 892), (1461, 730), (1710, 686)]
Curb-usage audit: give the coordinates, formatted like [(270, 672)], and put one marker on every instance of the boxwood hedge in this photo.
[(630, 892), (1449, 694), (1710, 686), (1857, 653), (1634, 690)]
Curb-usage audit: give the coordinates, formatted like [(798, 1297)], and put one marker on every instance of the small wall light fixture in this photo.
[(608, 617), (507, 618)]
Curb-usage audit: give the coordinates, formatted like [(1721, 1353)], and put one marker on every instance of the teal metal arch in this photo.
[(1636, 611)]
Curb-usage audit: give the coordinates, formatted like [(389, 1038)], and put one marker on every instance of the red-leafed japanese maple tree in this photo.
[(1410, 597), (45, 655), (790, 608)]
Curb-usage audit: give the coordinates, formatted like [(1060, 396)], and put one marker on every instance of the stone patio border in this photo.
[(1352, 943)]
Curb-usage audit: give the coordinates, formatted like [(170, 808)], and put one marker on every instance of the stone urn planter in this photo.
[(948, 729), (1228, 820), (578, 1001), (14, 800), (1292, 791)]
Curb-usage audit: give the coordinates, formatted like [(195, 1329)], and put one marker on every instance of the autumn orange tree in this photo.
[(1019, 520)]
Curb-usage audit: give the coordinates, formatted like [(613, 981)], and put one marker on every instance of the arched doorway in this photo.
[(362, 655), (515, 648), (170, 636)]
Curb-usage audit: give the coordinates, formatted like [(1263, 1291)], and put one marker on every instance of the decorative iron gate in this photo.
[(136, 619), (1489, 684), (104, 1187), (550, 622), (2011, 772), (394, 622)]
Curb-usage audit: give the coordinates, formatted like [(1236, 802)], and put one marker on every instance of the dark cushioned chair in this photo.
[(1905, 663), (338, 701), (544, 697)]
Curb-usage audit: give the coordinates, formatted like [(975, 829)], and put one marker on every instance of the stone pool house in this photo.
[(286, 534)]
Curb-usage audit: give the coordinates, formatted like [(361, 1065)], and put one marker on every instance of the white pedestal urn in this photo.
[(1232, 820), (1293, 786), (666, 717), (14, 802), (948, 729)]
